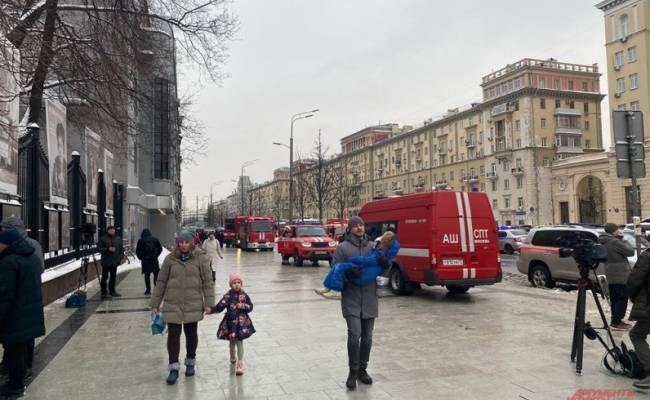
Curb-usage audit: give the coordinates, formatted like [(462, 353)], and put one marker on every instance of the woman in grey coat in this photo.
[(359, 304), (617, 270)]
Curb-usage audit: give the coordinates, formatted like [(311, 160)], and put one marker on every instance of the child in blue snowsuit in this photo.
[(370, 267)]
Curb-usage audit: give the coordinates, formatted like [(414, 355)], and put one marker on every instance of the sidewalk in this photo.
[(499, 342)]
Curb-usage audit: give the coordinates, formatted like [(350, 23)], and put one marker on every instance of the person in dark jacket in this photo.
[(359, 304), (112, 250), (617, 270), (638, 287), (147, 250), (21, 306)]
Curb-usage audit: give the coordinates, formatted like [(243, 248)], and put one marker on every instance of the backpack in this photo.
[(149, 249)]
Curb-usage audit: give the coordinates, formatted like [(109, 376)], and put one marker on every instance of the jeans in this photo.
[(174, 340), (359, 341), (618, 298), (147, 280), (638, 335), (109, 273), (17, 358)]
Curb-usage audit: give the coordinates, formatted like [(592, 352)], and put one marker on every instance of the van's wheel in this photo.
[(508, 249), (285, 259), (540, 276), (457, 289), (297, 260), (397, 283)]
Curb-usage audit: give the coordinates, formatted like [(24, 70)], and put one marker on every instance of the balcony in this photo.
[(470, 144), (519, 171), (491, 175), (472, 178), (503, 109), (503, 149), (569, 150), (566, 130), (441, 183), (398, 190), (442, 150), (568, 111)]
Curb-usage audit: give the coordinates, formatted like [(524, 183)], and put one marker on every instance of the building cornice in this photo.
[(607, 5)]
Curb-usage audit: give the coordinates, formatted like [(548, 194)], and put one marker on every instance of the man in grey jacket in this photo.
[(617, 270), (359, 304)]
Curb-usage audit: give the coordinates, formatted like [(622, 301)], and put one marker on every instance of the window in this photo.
[(572, 104), (635, 106), (545, 142), (588, 144), (543, 122), (586, 125), (586, 108), (625, 28), (585, 87), (631, 54), (518, 126), (506, 184), (161, 125), (557, 84), (520, 182), (547, 162), (620, 85), (542, 104), (634, 81), (618, 59), (520, 202), (557, 103), (495, 204), (506, 200), (549, 238), (541, 83), (451, 176), (494, 186), (570, 85), (518, 143), (622, 107)]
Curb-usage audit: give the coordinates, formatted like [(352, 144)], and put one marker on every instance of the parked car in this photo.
[(540, 260), (306, 242), (510, 240)]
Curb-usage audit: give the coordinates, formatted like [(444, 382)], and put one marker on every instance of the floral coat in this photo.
[(236, 324)]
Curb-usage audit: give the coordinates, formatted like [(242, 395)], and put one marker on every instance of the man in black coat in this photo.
[(638, 288), (112, 251), (21, 305), (147, 250)]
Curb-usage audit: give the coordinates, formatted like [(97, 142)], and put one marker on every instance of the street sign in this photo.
[(628, 134)]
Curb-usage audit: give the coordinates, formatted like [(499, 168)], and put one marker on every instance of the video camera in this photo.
[(87, 231), (586, 252)]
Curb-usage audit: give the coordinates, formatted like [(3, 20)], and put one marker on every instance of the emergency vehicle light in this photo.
[(434, 260)]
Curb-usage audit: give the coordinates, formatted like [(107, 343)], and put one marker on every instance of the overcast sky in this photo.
[(363, 62)]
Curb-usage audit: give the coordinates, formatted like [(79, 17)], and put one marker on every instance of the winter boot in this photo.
[(364, 377), (351, 383), (240, 368), (173, 373), (190, 363)]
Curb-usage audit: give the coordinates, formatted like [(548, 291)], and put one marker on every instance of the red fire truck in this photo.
[(229, 232), (255, 233), (336, 227), (306, 242), (448, 238)]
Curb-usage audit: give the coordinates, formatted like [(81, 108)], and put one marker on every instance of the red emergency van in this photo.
[(229, 232), (447, 238)]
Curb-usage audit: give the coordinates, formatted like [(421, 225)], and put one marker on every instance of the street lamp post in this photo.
[(211, 203), (241, 180), (294, 118)]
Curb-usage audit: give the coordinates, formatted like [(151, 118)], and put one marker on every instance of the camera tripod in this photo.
[(83, 272), (582, 328)]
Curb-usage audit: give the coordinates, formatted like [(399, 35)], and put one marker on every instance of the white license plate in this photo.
[(452, 262), (320, 252)]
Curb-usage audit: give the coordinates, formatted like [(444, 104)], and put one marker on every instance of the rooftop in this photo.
[(530, 63)]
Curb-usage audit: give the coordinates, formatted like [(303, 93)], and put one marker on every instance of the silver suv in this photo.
[(539, 257)]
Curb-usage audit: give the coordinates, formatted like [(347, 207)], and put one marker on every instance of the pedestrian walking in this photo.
[(359, 304), (617, 270), (21, 306), (638, 287), (212, 248), (219, 237), (112, 251), (236, 324), (148, 250), (186, 291), (15, 222)]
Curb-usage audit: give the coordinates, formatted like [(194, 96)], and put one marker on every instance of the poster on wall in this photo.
[(108, 179), (9, 114), (55, 114), (65, 230), (92, 151), (53, 230)]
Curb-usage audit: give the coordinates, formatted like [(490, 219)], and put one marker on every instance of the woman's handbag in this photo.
[(157, 324)]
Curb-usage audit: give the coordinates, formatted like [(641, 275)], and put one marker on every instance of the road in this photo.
[(509, 263), (505, 341)]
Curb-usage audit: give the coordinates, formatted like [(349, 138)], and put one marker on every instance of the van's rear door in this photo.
[(466, 240)]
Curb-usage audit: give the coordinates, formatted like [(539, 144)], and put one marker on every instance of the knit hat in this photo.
[(611, 227), (355, 220), (9, 236), (185, 236), (234, 276)]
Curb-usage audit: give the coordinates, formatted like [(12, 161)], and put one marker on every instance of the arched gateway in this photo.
[(591, 200)]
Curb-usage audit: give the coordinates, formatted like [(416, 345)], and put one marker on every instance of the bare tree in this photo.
[(343, 194), (320, 178), (90, 53), (301, 187)]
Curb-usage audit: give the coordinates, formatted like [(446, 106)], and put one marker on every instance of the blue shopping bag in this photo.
[(157, 324)]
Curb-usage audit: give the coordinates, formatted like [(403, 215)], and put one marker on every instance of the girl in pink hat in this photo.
[(236, 324)]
